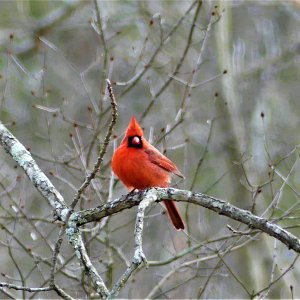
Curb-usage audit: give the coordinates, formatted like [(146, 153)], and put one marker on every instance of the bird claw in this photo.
[(132, 192)]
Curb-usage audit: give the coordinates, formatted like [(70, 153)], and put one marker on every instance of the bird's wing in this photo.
[(162, 161)]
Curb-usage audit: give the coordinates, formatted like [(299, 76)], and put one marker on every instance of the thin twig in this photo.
[(234, 275), (140, 74), (192, 262), (55, 254), (105, 50), (181, 60), (278, 278), (103, 149), (24, 288), (61, 292), (46, 24), (192, 249)]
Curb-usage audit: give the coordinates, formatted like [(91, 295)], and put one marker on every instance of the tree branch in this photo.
[(219, 206), (75, 238), (142, 198), (139, 257), (24, 288), (34, 173), (55, 199), (91, 176)]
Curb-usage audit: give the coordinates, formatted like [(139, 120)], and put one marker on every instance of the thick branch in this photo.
[(32, 170), (54, 198), (139, 258), (219, 206), (75, 238)]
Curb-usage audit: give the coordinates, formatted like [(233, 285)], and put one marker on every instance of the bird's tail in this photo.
[(174, 214)]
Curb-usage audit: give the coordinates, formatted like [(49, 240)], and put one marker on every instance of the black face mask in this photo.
[(135, 142)]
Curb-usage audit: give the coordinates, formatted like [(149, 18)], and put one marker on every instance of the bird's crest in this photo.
[(134, 128)]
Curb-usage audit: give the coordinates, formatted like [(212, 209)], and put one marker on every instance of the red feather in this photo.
[(139, 165)]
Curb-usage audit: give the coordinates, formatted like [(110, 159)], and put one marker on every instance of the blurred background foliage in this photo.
[(216, 87)]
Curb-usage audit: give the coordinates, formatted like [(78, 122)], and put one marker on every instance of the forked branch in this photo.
[(142, 199)]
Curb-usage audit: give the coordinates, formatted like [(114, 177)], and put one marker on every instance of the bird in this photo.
[(139, 166)]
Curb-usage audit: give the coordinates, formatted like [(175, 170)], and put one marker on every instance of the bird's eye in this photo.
[(136, 140)]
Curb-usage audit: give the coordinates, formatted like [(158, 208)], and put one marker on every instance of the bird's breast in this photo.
[(134, 168)]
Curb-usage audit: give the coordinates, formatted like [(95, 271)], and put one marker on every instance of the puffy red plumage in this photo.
[(139, 165)]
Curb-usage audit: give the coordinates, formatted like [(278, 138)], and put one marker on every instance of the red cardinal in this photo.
[(139, 166)]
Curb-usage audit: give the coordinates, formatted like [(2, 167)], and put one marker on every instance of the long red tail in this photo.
[(174, 214)]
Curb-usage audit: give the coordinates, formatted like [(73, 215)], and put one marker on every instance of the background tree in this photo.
[(215, 85)]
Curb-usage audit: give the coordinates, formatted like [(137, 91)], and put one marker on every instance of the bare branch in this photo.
[(75, 239), (178, 66), (219, 206), (278, 278), (24, 288), (46, 24), (132, 82), (99, 161), (62, 293), (34, 173), (139, 258)]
